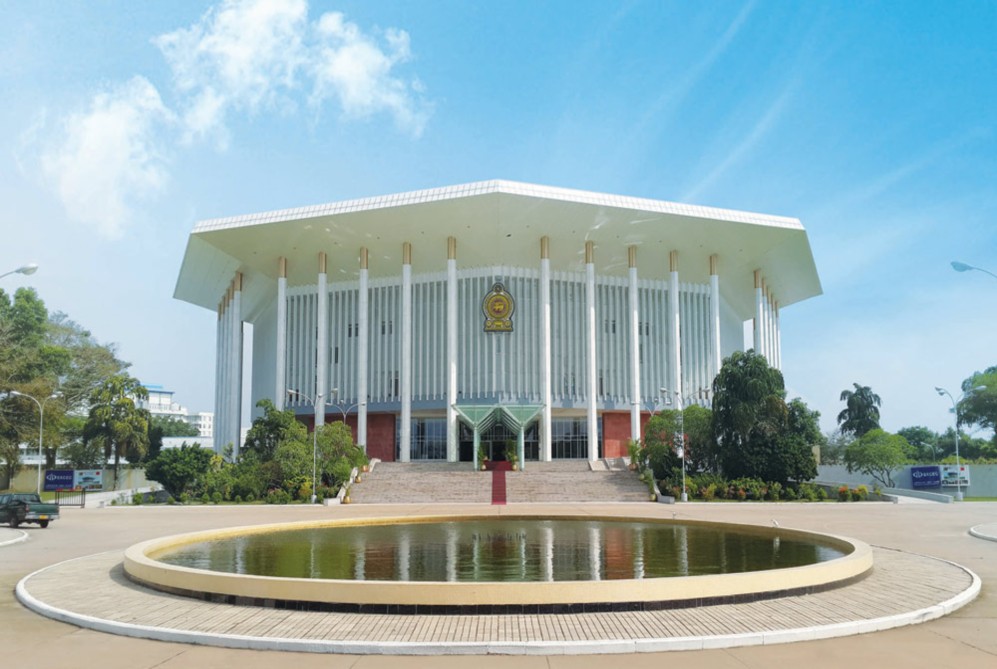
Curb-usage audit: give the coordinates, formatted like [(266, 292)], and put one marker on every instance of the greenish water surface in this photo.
[(502, 550)]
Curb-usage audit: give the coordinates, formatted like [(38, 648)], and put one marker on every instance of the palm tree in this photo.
[(861, 412), (115, 422)]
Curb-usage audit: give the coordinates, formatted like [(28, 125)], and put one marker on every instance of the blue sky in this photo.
[(875, 124)]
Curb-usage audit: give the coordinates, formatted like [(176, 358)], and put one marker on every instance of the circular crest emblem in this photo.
[(498, 307)]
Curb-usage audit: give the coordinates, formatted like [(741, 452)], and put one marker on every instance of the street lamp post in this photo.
[(680, 438), (955, 411), (343, 408), (30, 268), (963, 267), (41, 422), (316, 402)]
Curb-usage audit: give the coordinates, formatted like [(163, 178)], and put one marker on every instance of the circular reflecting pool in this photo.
[(504, 550)]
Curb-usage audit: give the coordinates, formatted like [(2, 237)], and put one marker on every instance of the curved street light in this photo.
[(41, 425), (963, 267), (30, 268), (955, 410)]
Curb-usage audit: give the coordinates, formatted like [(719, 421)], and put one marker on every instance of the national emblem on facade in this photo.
[(498, 307)]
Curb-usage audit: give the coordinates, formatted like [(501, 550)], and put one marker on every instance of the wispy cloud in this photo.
[(240, 57), (110, 155), (674, 95), (351, 67), (747, 144)]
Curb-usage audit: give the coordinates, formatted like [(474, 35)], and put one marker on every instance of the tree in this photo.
[(756, 432), (979, 407), (10, 459), (270, 429), (114, 422), (923, 442), (877, 453), (861, 412), (180, 470), (833, 450), (173, 426), (659, 443)]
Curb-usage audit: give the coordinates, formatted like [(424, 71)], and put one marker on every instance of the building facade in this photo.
[(439, 323), (160, 403)]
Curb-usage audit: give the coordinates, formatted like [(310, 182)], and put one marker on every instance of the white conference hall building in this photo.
[(439, 322)]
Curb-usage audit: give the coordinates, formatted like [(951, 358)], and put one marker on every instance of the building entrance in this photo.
[(497, 440)]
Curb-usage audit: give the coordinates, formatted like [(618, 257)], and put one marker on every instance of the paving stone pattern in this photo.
[(899, 583)]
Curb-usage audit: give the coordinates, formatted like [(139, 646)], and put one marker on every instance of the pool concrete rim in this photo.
[(240, 588)]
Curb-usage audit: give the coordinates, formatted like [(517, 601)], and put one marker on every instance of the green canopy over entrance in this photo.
[(515, 417)]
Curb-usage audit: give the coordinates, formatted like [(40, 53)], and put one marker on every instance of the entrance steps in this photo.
[(457, 483)]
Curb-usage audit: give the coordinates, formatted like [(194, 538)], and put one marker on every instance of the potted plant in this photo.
[(482, 457), (513, 457), (346, 497)]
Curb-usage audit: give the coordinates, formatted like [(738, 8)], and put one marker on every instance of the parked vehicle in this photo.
[(26, 507)]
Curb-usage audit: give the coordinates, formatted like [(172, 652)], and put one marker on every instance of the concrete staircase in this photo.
[(457, 483)]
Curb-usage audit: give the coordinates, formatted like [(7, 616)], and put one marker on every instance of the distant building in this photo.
[(160, 403)]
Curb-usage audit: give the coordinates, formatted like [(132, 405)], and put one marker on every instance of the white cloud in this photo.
[(251, 54), (110, 155), (351, 66), (241, 54)]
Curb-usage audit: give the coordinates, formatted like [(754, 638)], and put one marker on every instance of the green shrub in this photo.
[(185, 498), (278, 496), (250, 497), (205, 499), (341, 470), (774, 492), (791, 493), (843, 494), (860, 494), (137, 499), (216, 497), (238, 499)]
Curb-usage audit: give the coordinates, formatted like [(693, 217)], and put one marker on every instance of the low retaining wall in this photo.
[(982, 481)]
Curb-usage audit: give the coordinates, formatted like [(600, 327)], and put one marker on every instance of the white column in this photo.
[(452, 434), (634, 346), (778, 336), (766, 348), (225, 435), (757, 329), (220, 361), (545, 349), (363, 340), (675, 343), (715, 350), (593, 382), (280, 353), (236, 387), (405, 438), (321, 340)]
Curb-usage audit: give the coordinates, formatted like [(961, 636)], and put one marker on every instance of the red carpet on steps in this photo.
[(498, 481)]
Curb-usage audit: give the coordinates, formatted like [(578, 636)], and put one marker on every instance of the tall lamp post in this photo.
[(41, 424), (680, 438), (955, 411), (316, 402), (30, 268), (963, 267)]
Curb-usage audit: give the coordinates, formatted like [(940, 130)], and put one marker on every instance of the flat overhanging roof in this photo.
[(500, 223)]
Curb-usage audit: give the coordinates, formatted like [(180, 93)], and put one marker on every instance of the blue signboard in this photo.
[(926, 477), (59, 479)]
